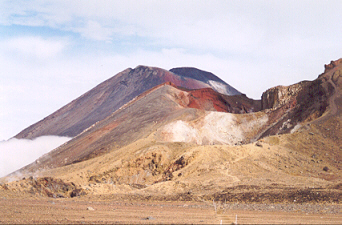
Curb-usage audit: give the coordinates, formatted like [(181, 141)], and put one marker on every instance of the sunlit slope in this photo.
[(155, 111)]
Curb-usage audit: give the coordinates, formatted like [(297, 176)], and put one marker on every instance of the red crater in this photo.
[(208, 99)]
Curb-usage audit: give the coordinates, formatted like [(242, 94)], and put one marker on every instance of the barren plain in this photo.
[(28, 209)]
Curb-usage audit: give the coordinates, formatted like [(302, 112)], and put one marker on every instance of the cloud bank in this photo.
[(28, 46), (17, 153)]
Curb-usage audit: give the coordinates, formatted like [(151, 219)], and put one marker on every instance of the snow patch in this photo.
[(219, 87)]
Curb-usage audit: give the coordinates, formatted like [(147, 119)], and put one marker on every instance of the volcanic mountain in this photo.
[(181, 139), (109, 96)]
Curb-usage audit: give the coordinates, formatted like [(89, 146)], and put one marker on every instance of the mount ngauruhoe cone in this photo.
[(184, 134), (109, 96)]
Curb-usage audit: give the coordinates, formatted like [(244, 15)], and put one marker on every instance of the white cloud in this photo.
[(197, 24), (242, 27), (96, 31), (33, 46), (17, 153), (162, 18)]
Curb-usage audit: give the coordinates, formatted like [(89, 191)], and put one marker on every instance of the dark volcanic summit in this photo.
[(195, 73), (207, 78)]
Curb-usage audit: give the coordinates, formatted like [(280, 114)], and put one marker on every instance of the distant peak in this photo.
[(142, 67), (209, 78), (195, 73)]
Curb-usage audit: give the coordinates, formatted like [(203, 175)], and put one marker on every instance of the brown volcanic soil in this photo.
[(26, 209), (279, 169)]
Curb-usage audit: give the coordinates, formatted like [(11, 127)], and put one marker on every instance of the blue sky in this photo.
[(53, 51)]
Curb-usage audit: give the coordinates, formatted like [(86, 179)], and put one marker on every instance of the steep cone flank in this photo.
[(132, 122), (104, 99), (140, 117)]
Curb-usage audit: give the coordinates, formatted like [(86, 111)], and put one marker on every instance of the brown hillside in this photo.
[(150, 111)]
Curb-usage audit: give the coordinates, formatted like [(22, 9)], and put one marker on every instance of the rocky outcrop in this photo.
[(303, 102), (47, 186), (332, 65), (278, 96)]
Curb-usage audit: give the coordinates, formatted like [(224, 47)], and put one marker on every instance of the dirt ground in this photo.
[(29, 209)]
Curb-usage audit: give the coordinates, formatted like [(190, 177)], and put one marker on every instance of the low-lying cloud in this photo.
[(17, 153)]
